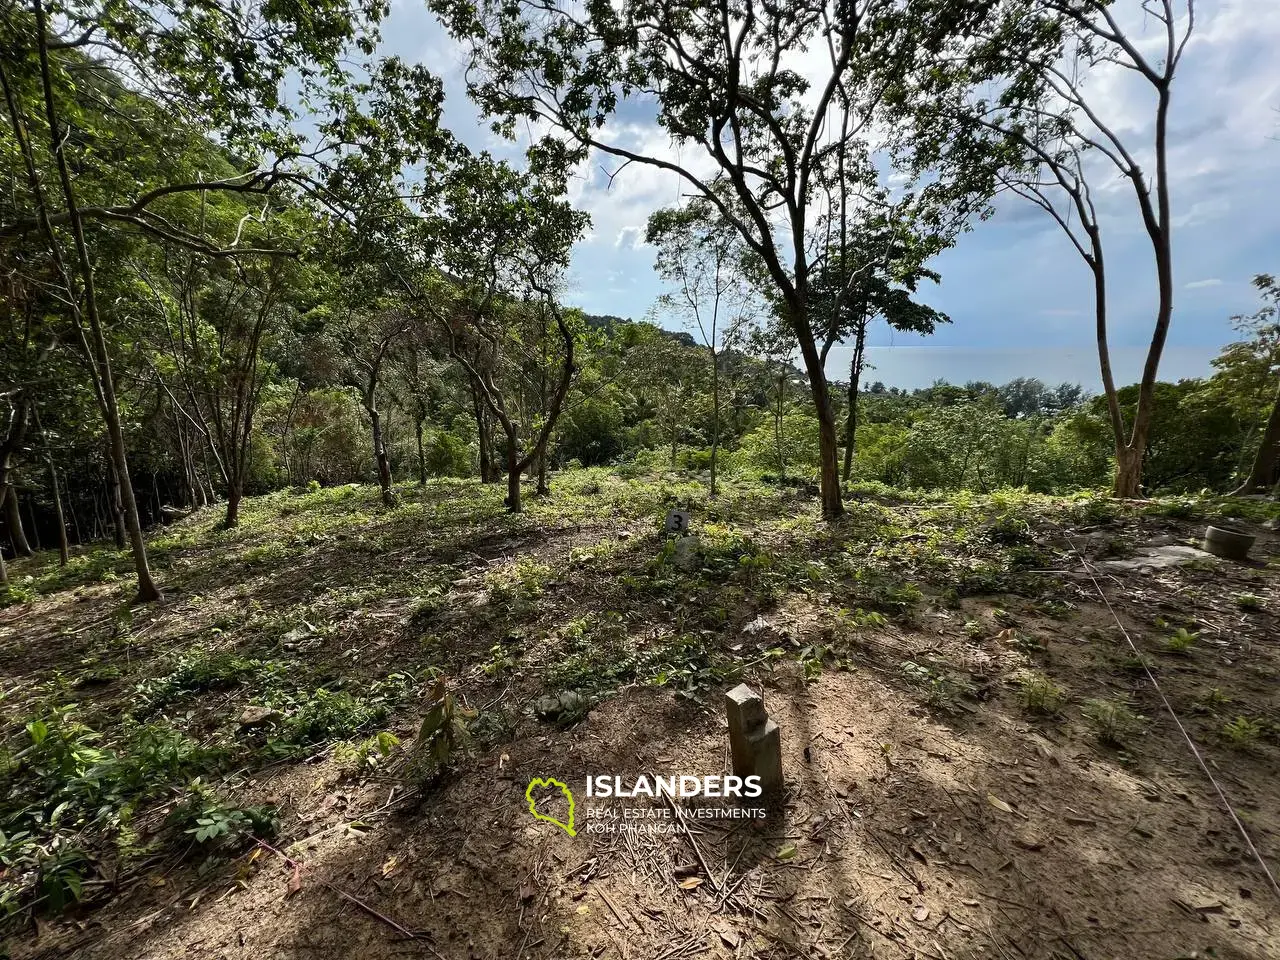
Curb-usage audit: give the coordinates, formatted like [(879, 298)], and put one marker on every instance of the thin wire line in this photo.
[(1244, 833)]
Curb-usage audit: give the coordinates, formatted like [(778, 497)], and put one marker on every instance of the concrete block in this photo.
[(755, 741)]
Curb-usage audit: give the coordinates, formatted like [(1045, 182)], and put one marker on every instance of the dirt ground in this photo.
[(929, 810)]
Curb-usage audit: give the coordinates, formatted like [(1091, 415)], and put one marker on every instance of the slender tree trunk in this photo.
[(4, 569), (64, 551), (1265, 472), (513, 474), (715, 410), (11, 444), (855, 378), (35, 526), (777, 429), (487, 473), (13, 517), (380, 454), (115, 506), (828, 440), (543, 489), (1129, 461), (234, 496), (147, 590), (422, 457)]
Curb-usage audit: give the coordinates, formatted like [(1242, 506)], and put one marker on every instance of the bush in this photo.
[(447, 455)]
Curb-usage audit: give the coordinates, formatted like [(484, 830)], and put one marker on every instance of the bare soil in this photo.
[(927, 813)]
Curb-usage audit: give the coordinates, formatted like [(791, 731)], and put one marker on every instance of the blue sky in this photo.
[(1018, 295)]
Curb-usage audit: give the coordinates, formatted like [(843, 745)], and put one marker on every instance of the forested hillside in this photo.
[(343, 557)]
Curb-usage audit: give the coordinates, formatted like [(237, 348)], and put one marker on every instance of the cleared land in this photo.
[(977, 764)]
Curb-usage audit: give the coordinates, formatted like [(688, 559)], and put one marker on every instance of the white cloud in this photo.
[(1199, 284), (629, 238)]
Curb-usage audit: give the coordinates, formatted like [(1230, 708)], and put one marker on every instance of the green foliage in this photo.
[(1242, 732), (1114, 721), (329, 715), (1181, 640), (214, 824), (1039, 694), (444, 731)]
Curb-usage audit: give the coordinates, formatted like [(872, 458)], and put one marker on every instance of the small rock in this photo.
[(687, 552), (258, 716), (1158, 558), (570, 703)]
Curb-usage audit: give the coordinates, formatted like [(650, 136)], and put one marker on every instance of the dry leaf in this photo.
[(998, 803), (787, 851), (921, 914), (389, 866), (295, 882), (690, 883)]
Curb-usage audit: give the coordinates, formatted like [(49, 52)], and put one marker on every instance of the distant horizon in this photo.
[(913, 366)]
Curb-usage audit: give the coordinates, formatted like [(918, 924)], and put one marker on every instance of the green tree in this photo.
[(699, 257), (1010, 96), (1249, 369), (720, 80)]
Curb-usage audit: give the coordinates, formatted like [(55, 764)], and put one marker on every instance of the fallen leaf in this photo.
[(729, 939), (388, 866), (921, 914), (690, 883), (295, 882), (787, 851), (998, 803)]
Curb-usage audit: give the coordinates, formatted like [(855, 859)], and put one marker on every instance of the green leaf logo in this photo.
[(533, 803)]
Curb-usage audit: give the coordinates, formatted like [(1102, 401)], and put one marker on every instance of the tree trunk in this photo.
[(487, 473), (777, 429), (1159, 227), (1128, 480), (380, 453), (114, 506), (1265, 472), (4, 569), (64, 551), (828, 440), (543, 488), (855, 377), (513, 475), (35, 526), (234, 496), (715, 411), (422, 457), (17, 535), (100, 358)]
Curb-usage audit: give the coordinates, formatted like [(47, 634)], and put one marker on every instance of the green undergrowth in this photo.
[(318, 623)]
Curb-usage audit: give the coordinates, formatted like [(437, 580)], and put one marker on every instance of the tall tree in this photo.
[(497, 241), (700, 258), (1260, 356), (95, 85), (723, 82), (1013, 95), (880, 258)]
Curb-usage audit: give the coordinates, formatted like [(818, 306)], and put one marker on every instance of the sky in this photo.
[(1018, 295)]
